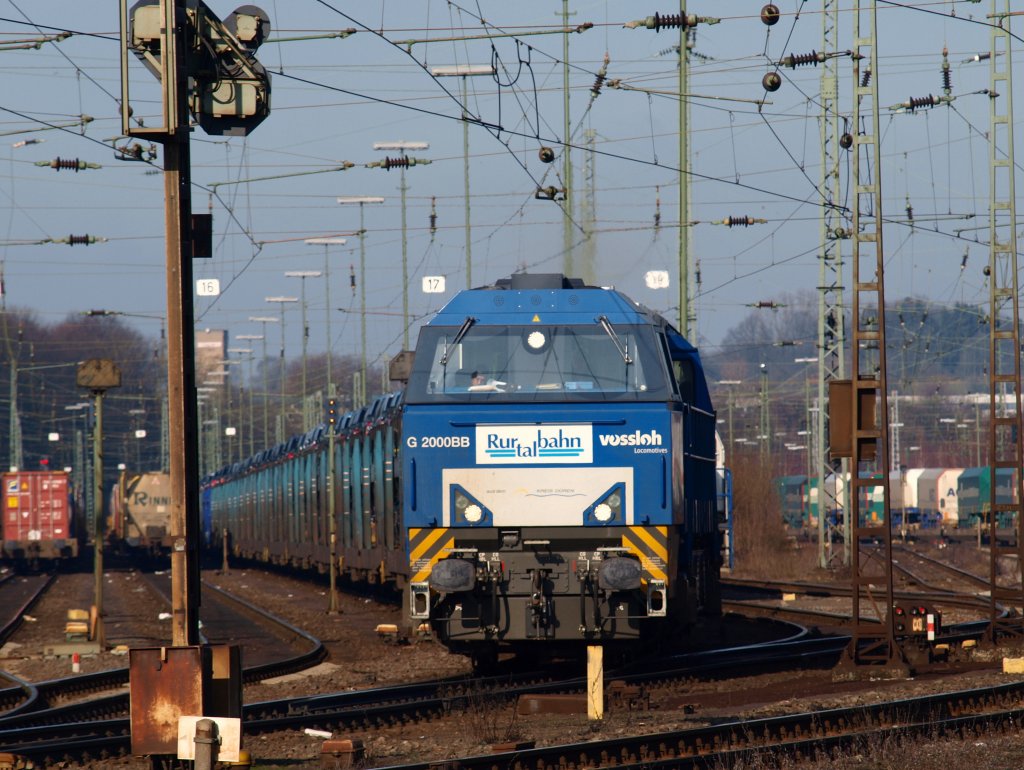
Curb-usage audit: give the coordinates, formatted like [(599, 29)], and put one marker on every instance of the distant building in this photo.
[(211, 351)]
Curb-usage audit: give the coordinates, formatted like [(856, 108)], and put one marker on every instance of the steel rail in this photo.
[(117, 704), (23, 696)]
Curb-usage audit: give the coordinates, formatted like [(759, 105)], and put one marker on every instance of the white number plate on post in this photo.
[(208, 287)]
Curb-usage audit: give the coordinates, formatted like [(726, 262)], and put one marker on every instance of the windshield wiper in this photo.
[(458, 338), (607, 326)]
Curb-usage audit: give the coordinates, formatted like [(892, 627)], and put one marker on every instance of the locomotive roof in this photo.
[(545, 298)]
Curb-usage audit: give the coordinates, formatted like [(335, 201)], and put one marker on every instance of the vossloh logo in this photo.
[(637, 439)]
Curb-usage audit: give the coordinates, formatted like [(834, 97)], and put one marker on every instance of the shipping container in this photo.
[(141, 511), (38, 517), (949, 505), (792, 499), (974, 495), (937, 493)]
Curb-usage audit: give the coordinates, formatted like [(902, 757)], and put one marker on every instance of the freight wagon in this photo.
[(974, 495), (38, 518), (792, 492), (140, 512), (937, 494)]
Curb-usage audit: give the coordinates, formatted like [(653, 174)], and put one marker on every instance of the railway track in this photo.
[(290, 650), (941, 596), (69, 737), (17, 597), (807, 734), (80, 740), (819, 734)]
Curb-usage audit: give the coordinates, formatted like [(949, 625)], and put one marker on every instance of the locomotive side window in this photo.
[(539, 363), (685, 376)]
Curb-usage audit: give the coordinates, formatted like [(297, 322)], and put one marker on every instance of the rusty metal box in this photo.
[(339, 754), (166, 683)]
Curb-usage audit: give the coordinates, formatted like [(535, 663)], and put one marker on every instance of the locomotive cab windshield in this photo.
[(601, 361)]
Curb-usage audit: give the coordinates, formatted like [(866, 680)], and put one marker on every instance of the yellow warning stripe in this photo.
[(656, 539), (426, 547), (650, 544)]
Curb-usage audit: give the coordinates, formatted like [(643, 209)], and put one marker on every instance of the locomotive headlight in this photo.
[(466, 510), (536, 340), (608, 509)]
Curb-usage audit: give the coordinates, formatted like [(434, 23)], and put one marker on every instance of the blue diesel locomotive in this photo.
[(548, 475)]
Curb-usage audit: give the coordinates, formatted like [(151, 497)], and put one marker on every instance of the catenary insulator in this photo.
[(947, 75), (986, 271), (910, 211), (798, 60), (80, 240), (770, 14), (921, 101), (390, 163), (668, 21), (772, 81), (697, 273), (352, 278), (546, 154), (846, 141), (744, 221), (865, 79), (963, 262), (433, 215), (72, 164), (657, 211), (657, 22), (601, 75)]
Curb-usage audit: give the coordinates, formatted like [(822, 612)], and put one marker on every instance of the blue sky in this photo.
[(334, 97)]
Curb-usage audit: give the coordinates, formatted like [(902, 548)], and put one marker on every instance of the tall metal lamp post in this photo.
[(327, 243), (404, 147), (362, 200), (764, 436), (282, 301), (80, 470), (464, 71), (808, 428), (264, 319), (303, 274), (332, 595), (248, 352)]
